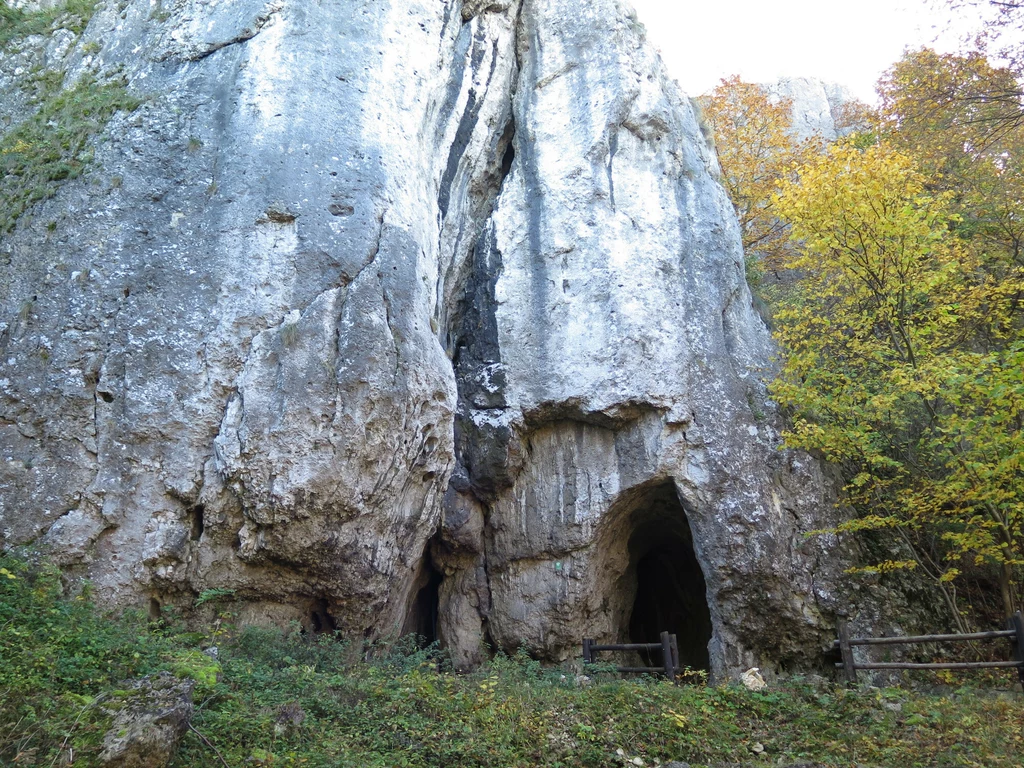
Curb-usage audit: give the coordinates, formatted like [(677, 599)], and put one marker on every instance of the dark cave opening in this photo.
[(196, 523), (422, 618), (320, 618), (507, 158), (671, 593)]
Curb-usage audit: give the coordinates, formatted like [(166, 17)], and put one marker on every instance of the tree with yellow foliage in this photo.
[(904, 361), (756, 149), (954, 114)]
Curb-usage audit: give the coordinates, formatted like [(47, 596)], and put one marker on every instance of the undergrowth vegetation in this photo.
[(54, 144), (16, 23), (271, 698)]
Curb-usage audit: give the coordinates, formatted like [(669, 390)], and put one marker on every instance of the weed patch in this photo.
[(273, 698), (53, 145), (16, 23)]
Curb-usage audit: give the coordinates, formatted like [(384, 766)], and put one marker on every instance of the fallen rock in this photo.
[(147, 730), (752, 680)]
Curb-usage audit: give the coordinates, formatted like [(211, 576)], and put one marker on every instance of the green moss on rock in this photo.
[(16, 23), (54, 144)]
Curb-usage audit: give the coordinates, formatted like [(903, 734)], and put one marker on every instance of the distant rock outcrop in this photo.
[(819, 108), (406, 316)]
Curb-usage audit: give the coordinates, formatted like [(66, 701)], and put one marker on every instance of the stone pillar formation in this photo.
[(420, 314)]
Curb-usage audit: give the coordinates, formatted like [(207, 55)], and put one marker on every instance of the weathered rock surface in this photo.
[(405, 314), (818, 108), (149, 726)]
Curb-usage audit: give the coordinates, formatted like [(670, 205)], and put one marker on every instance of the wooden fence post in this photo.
[(666, 656), (1017, 624), (675, 652), (849, 670)]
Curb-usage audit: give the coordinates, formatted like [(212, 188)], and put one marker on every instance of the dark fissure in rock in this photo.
[(422, 619), (196, 518), (320, 618), (509, 156), (671, 593)]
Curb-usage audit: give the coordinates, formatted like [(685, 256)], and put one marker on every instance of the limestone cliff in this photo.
[(826, 110), (411, 315)]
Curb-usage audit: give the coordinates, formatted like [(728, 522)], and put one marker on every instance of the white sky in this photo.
[(850, 43)]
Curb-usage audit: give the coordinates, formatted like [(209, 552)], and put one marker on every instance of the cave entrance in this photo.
[(671, 594), (422, 617)]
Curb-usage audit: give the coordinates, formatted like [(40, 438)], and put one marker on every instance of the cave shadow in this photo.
[(671, 593), (422, 617)]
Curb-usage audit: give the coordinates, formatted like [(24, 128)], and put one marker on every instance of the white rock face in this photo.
[(817, 106), (422, 316)]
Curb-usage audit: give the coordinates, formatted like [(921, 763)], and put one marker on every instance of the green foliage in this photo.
[(54, 144), (16, 23), (61, 659), (278, 706), (212, 595), (289, 699), (196, 665), (903, 360)]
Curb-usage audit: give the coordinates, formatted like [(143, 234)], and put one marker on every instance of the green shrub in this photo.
[(288, 698), (61, 659), (55, 143), (16, 23)]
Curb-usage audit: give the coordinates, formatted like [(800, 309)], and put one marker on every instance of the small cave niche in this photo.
[(421, 619), (320, 618), (671, 594), (508, 157), (196, 522), (830, 658)]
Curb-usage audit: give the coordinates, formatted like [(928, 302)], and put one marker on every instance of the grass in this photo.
[(16, 24), (276, 698), (55, 143)]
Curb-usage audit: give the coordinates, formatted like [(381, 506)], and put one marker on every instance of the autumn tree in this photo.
[(940, 109), (756, 149), (904, 361), (998, 34)]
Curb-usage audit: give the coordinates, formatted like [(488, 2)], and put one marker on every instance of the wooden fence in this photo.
[(1015, 634), (668, 646)]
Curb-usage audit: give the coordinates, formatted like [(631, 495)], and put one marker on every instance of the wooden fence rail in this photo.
[(668, 646), (1015, 634)]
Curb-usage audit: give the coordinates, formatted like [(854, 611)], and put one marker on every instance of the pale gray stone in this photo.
[(149, 723), (393, 297), (817, 107)]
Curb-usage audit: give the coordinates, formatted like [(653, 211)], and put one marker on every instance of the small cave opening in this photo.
[(320, 618), (830, 660), (424, 610), (671, 594), (196, 522), (507, 158)]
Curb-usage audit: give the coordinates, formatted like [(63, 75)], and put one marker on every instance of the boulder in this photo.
[(148, 728)]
